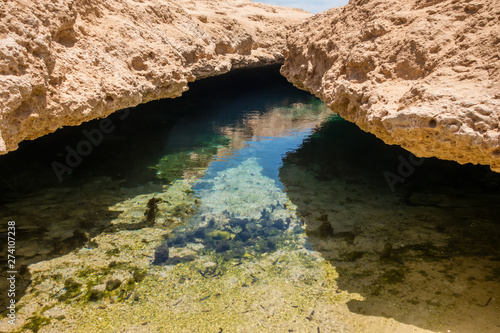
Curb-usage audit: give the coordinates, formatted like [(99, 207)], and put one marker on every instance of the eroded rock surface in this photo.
[(64, 62), (418, 73)]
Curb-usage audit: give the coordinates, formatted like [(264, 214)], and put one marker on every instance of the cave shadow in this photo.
[(426, 254), (56, 215)]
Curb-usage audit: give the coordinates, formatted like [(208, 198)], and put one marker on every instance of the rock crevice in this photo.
[(64, 62), (424, 75)]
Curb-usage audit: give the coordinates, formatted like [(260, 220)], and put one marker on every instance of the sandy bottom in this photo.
[(327, 248), (343, 279)]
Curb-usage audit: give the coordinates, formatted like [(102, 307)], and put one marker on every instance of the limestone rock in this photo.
[(63, 62), (421, 74)]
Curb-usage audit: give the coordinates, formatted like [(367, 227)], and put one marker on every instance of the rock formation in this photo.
[(64, 62), (422, 74)]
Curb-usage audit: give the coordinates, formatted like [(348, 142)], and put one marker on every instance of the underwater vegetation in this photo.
[(410, 252), (241, 213), (262, 221), (161, 254), (175, 165)]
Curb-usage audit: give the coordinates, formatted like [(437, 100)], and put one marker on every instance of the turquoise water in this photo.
[(229, 148), (243, 206), (243, 186)]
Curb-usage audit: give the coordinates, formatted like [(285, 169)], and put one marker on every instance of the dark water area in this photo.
[(339, 150), (142, 135), (248, 183), (62, 194), (427, 243)]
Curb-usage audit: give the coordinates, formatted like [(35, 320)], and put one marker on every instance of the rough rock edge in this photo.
[(64, 62), (422, 74)]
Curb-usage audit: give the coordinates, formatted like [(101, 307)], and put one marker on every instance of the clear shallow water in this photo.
[(200, 171), (242, 206), (428, 247), (150, 132), (255, 211)]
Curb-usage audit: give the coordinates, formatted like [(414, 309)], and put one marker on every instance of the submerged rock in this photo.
[(424, 75), (72, 289), (161, 254), (387, 251), (222, 246), (95, 295), (244, 236), (113, 284), (151, 210)]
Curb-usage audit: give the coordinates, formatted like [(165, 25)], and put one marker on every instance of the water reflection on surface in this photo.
[(181, 190), (242, 213), (242, 208)]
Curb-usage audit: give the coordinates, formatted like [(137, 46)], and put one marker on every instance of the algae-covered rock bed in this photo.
[(426, 254), (257, 211), (165, 239)]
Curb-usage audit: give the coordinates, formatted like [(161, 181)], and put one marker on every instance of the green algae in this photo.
[(179, 202), (174, 166), (93, 277), (183, 210), (139, 274), (113, 284), (221, 234), (35, 323), (196, 296), (113, 252), (72, 289), (393, 276)]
